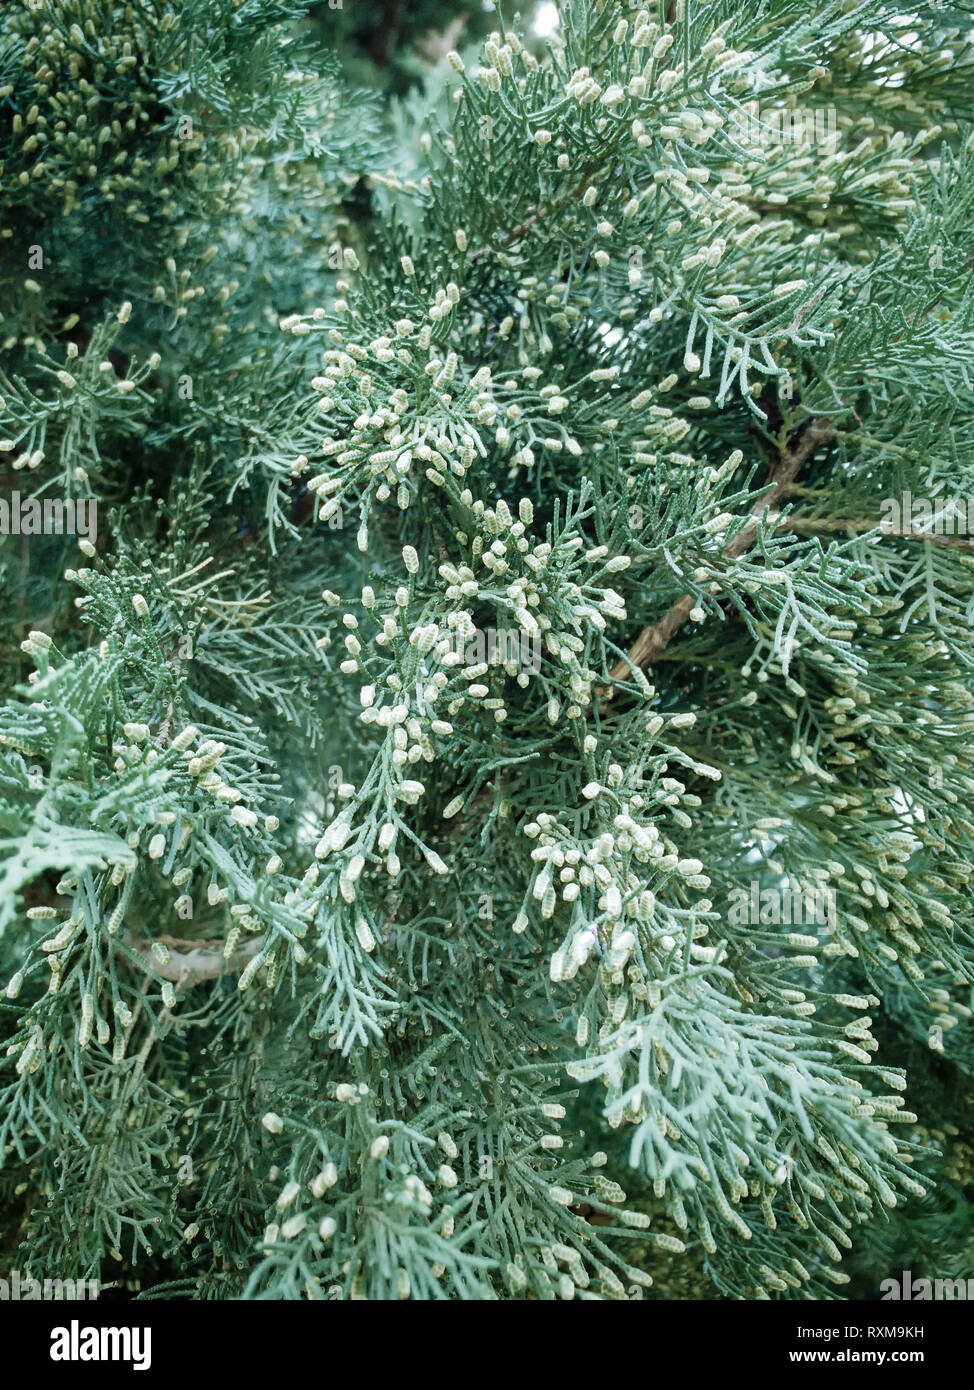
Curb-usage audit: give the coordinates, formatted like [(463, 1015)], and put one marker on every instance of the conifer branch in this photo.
[(859, 525), (784, 469), (187, 967), (319, 877)]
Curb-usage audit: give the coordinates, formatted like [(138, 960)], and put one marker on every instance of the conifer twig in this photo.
[(653, 639), (189, 967)]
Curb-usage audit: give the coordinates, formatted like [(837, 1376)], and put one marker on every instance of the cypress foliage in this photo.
[(485, 752)]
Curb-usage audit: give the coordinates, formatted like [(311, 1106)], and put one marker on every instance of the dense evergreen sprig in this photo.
[(489, 597)]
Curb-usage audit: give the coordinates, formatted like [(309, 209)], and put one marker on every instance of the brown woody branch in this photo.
[(858, 525)]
